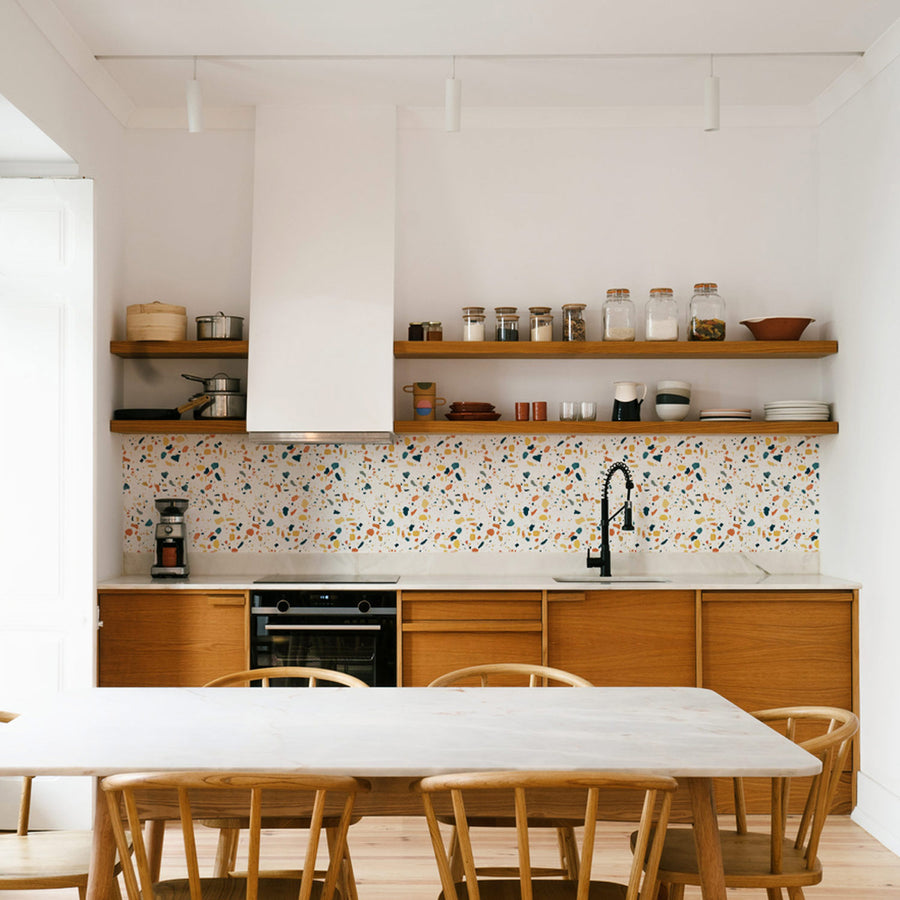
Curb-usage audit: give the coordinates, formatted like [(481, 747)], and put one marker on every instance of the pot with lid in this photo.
[(225, 400), (220, 327), (218, 382)]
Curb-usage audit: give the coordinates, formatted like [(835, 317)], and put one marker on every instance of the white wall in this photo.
[(860, 273)]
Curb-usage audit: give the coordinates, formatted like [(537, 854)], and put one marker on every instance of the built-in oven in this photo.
[(352, 631)]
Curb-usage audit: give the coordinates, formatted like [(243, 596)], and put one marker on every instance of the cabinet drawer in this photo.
[(481, 606)]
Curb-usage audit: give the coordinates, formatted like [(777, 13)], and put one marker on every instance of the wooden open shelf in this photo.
[(179, 349), (614, 349), (178, 426), (557, 427)]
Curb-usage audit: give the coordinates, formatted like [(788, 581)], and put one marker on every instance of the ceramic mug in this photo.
[(424, 400), (626, 402)]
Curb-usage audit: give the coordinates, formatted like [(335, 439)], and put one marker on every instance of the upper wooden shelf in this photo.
[(556, 427), (614, 349), (179, 349)]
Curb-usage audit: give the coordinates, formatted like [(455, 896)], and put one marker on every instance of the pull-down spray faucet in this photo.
[(603, 561)]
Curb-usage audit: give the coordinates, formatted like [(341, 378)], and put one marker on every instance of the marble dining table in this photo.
[(391, 736)]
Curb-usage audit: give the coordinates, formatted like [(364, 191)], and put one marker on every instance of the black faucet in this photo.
[(603, 561)]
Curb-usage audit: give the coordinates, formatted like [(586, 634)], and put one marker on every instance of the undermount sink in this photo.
[(613, 579)]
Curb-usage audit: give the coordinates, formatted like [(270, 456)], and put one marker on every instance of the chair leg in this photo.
[(456, 863), (154, 833), (226, 851), (568, 852), (82, 892), (774, 894), (346, 879), (676, 892), (795, 893)]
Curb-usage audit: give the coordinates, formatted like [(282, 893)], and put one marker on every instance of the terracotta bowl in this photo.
[(777, 328)]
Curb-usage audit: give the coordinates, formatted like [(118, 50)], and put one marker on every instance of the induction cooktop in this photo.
[(328, 579)]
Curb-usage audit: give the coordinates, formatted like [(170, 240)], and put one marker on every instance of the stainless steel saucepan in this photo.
[(215, 383)]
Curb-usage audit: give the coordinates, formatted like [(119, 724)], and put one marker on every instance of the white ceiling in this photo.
[(489, 39)]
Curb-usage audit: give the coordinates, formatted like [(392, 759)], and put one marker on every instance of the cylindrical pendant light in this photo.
[(194, 103), (711, 100), (452, 99)]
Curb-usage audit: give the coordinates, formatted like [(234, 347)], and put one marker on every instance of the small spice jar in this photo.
[(540, 323), (661, 316), (573, 322), (416, 331), (473, 323), (618, 315), (707, 317), (434, 331), (507, 323)]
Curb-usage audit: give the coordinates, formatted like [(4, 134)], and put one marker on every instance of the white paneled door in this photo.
[(46, 461)]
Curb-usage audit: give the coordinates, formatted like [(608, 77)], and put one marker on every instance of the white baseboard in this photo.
[(878, 811)]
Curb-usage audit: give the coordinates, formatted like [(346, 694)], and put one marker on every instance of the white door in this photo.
[(46, 462)]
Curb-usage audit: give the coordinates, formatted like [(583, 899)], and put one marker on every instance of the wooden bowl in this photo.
[(777, 328)]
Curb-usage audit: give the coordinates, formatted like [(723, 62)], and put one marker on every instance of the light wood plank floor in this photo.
[(394, 861)]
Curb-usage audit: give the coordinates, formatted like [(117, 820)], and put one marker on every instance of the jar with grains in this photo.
[(707, 316), (541, 323), (507, 323), (434, 331), (618, 315), (661, 315), (473, 323), (573, 322)]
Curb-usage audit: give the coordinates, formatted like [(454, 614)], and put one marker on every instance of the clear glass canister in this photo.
[(507, 323), (573, 322), (540, 323), (434, 331), (707, 318), (661, 315), (618, 315), (473, 323)]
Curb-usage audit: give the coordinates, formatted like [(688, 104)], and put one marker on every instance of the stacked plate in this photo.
[(725, 415), (471, 411), (797, 411)]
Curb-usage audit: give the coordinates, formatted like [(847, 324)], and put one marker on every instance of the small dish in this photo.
[(777, 328), (472, 416)]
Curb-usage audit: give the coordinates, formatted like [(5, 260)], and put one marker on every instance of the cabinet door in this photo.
[(448, 630), (171, 638), (624, 638)]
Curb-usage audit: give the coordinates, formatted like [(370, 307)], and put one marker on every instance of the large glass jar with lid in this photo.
[(618, 315), (707, 316), (540, 323), (473, 323), (573, 322), (661, 316), (507, 323)]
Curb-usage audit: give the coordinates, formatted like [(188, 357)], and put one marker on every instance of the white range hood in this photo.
[(322, 276)]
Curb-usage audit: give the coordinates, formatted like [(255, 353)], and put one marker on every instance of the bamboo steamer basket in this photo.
[(155, 322)]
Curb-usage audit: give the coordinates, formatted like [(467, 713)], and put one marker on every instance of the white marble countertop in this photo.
[(397, 732)]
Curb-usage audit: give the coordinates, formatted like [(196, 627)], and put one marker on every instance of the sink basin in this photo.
[(613, 579)]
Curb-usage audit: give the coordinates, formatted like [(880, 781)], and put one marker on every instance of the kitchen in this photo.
[(772, 206)]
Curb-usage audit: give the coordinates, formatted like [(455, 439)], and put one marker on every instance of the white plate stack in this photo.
[(797, 411), (725, 415)]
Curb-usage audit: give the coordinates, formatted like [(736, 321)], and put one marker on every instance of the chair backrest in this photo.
[(196, 796), (312, 675), (25, 798), (533, 676), (576, 788), (827, 733)]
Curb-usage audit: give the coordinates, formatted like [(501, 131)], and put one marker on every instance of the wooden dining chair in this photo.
[(773, 861), (487, 675), (194, 794), (521, 787), (229, 829), (38, 860)]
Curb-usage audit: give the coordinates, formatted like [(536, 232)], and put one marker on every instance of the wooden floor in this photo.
[(394, 861)]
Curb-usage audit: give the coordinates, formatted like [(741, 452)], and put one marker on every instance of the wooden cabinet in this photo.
[(163, 638), (621, 638), (446, 630)]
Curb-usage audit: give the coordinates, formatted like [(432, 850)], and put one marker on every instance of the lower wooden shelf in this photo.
[(556, 427), (178, 426)]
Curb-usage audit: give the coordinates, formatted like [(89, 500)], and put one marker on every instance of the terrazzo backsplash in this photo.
[(474, 493)]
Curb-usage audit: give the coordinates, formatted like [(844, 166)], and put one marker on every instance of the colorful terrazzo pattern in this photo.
[(469, 493)]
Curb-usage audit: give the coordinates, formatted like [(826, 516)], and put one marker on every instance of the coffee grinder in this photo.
[(171, 541)]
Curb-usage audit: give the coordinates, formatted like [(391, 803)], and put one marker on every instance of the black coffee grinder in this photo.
[(171, 541)]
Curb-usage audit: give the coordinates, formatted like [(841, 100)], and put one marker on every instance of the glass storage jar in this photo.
[(661, 316), (540, 323), (434, 331), (507, 323), (416, 331), (473, 323), (573, 322), (618, 315), (707, 316)]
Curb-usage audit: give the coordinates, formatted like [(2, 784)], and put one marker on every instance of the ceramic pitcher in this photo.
[(628, 397)]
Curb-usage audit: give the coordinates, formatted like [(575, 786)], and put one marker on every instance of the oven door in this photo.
[(364, 646)]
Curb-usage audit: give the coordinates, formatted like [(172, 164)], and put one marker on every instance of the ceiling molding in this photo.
[(66, 41)]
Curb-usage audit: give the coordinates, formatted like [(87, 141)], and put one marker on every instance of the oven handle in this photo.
[(323, 628)]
